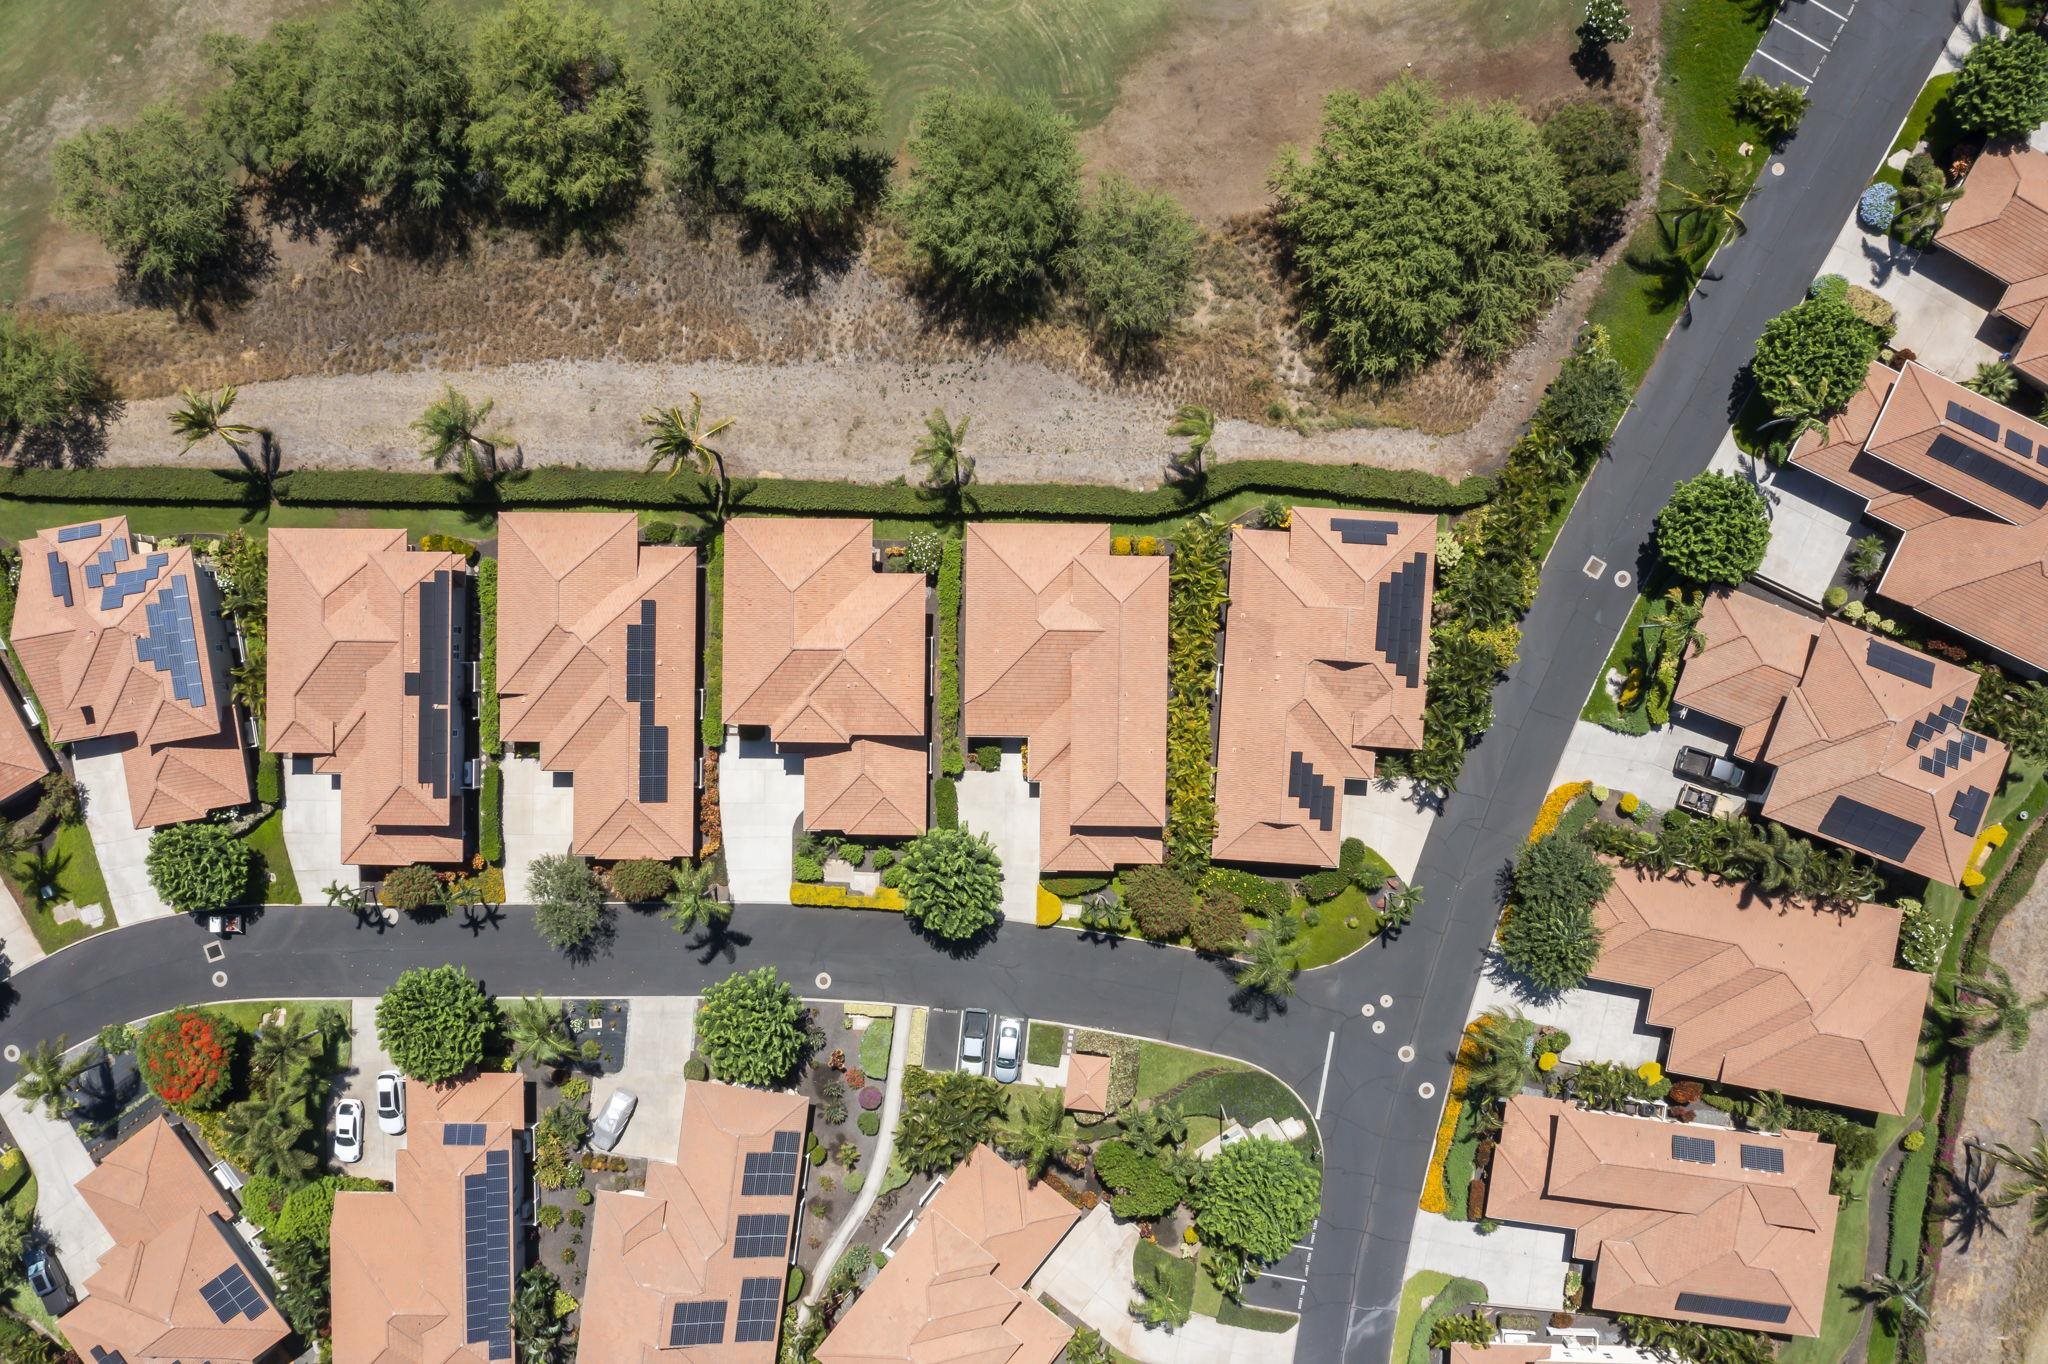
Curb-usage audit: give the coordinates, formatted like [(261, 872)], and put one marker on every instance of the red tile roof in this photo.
[(2000, 225), (22, 760)]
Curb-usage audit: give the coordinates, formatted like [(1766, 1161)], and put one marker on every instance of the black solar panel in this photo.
[(772, 1172), (1916, 668), (1399, 629), (1763, 1159), (102, 1355), (1972, 420), (653, 738), (1315, 796), (487, 1255), (70, 533), (1874, 831), (1967, 809), (1992, 472), (2019, 444), (1742, 1309), (60, 579), (697, 1323), (760, 1310), (760, 1236), (1354, 531), (231, 1295), (1694, 1150), (462, 1134), (640, 656), (171, 644)]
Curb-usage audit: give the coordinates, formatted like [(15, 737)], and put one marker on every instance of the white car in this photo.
[(348, 1131), (1009, 1049), (390, 1102), (611, 1123)]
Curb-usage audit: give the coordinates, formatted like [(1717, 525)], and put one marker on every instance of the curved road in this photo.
[(1377, 1127)]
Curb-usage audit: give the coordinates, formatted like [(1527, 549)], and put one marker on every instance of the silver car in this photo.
[(611, 1123), (1009, 1049), (974, 1041)]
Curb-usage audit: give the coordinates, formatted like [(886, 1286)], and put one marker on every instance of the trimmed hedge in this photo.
[(270, 779), (951, 561), (487, 653), (945, 803), (712, 726), (490, 817), (838, 897)]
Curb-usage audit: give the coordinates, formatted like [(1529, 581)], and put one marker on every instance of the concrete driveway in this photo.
[(760, 800), (1394, 822), (1813, 523), (540, 818), (659, 1038), (312, 830), (366, 1057), (1520, 1266), (1638, 762), (1605, 1021), (123, 849), (1004, 806), (59, 1161)]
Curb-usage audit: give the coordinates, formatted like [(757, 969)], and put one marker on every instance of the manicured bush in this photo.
[(433, 1022), (1217, 924), (1877, 206), (1550, 935), (1257, 1197), (1835, 598), (1814, 356), (198, 868), (1197, 588), (1714, 529), (487, 711), (945, 805), (806, 869), (838, 897), (870, 1124), (711, 728), (1269, 899), (1160, 902), (749, 1028), (1074, 887), (187, 1057), (410, 888), (696, 1068), (2002, 90), (1141, 1187), (642, 880), (988, 757), (951, 563), (490, 816), (952, 884), (1598, 146), (1319, 886)]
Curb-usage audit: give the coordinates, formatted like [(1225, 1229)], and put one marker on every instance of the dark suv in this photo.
[(1712, 769)]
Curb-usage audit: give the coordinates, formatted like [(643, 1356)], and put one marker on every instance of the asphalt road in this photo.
[(1376, 1124)]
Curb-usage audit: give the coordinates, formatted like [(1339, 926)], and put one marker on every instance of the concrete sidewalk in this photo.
[(18, 945), (59, 1160), (878, 1166)]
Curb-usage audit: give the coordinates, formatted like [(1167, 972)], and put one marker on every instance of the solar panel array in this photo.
[(1966, 811), (1937, 722), (172, 642), (1310, 791), (1398, 631), (772, 1171), (1902, 663), (70, 533), (1954, 753), (2023, 446), (230, 1295), (760, 1310), (1972, 420), (60, 578), (640, 690), (462, 1134), (1767, 1160), (1876, 831), (1692, 1150), (440, 756), (697, 1323), (1353, 531), (102, 1355), (487, 1255), (1992, 472), (1743, 1309), (116, 586), (761, 1236)]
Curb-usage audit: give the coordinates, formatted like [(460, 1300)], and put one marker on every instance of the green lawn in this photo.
[(1183, 1283), (1600, 707), (1161, 1067), (73, 869), (1929, 119), (874, 1046), (1046, 1044), (272, 875), (1343, 925)]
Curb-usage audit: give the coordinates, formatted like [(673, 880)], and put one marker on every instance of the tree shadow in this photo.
[(1593, 64), (1968, 1206), (477, 919), (600, 942), (225, 282), (805, 254), (77, 441), (719, 941)]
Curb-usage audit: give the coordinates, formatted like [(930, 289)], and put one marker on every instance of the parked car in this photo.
[(611, 1123), (390, 1102), (974, 1041), (1009, 1049), (348, 1131), (1713, 769), (41, 1270)]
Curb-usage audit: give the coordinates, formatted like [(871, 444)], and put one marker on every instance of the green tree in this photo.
[(1996, 380), (1776, 110), (46, 1077), (693, 904), (568, 901), (156, 193), (198, 868), (1158, 1302), (1257, 1197), (261, 114), (1197, 426), (1714, 529), (1988, 1006), (1132, 263), (45, 379), (1550, 936), (433, 1022), (1897, 1301), (770, 112), (1587, 397), (1038, 1132), (555, 120), (941, 452), (1708, 211), (994, 192), (1500, 1064), (1820, 343), (2028, 1184), (685, 443), (200, 416), (1142, 1184), (452, 430), (952, 884), (1268, 966), (1416, 223), (390, 100), (750, 1028), (265, 1133), (945, 1114), (1924, 197), (2002, 90), (535, 1324), (1598, 146), (535, 1031)]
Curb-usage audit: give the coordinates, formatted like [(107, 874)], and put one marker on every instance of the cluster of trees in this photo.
[(45, 379), (297, 1220), (1549, 935), (2002, 90), (200, 867), (1767, 855), (1715, 529), (952, 884), (945, 1115)]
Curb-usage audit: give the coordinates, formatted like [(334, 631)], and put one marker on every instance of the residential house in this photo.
[(180, 1281), (1324, 661), (1562, 1349), (370, 680), (2000, 225), (693, 1266), (426, 1273), (1864, 738), (954, 1288), (23, 762), (1767, 994), (829, 655), (1063, 645), (1677, 1219), (122, 641), (597, 667)]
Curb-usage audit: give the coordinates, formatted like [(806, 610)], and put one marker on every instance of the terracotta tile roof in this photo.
[(22, 760), (674, 1243), (577, 595), (830, 657), (954, 1291), (367, 667), (118, 638), (1325, 656), (2000, 224), (174, 1237), (1962, 443), (399, 1259), (1866, 737), (1087, 1082), (1065, 645), (1742, 1239), (1768, 994)]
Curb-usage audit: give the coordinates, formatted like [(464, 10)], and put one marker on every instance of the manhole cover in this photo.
[(1595, 566), (824, 980), (1379, 1025), (215, 951), (220, 979), (1367, 1010), (1386, 1001), (1406, 1054), (12, 1053), (1622, 578), (1777, 167), (1426, 1090)]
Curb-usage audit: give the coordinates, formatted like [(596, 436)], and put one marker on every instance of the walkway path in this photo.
[(878, 1166)]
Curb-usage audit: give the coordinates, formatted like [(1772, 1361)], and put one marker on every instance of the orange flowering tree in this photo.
[(188, 1058)]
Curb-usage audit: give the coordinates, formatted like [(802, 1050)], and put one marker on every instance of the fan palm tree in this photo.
[(1988, 1005), (1268, 967), (1893, 1299), (533, 1027), (692, 903), (1400, 907), (941, 453), (46, 1077), (452, 431), (1712, 204), (1038, 1133), (2030, 1182), (1921, 204), (682, 442), (1197, 426), (199, 416), (1156, 1303), (1163, 1124), (279, 1051)]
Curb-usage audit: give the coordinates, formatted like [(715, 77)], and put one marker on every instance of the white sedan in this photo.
[(390, 1103), (348, 1131)]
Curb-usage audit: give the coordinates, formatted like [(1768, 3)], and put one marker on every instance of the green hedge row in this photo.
[(487, 657), (712, 726), (952, 760), (490, 819)]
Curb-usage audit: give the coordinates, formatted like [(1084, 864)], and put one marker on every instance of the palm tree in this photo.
[(685, 443), (1713, 203), (452, 429), (1808, 409), (1268, 967), (1767, 1112), (200, 415), (534, 1029), (1996, 380), (1162, 1124), (279, 1051), (2031, 1168), (46, 1078), (1499, 1064), (1921, 202), (1197, 426), (264, 1135), (343, 897), (1038, 1133), (1988, 1005), (692, 904), (1893, 1299), (1400, 907), (1156, 1304), (940, 454)]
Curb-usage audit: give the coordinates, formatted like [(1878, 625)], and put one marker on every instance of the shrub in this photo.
[(806, 868), (433, 1021), (696, 1069), (748, 1028), (1814, 354), (1119, 545), (1835, 598), (1132, 262), (642, 880), (198, 868), (1268, 899), (1123, 1053), (187, 1057), (1217, 924), (410, 888), (488, 712), (1629, 803), (1714, 529), (1197, 588), (2002, 90), (1257, 1197), (1877, 206), (870, 1124), (1142, 1187), (870, 1098), (952, 884), (1606, 22), (1586, 400), (44, 378), (1161, 903), (1319, 886), (568, 901), (1598, 146), (1550, 936), (838, 897), (490, 838), (945, 804), (156, 193), (988, 757), (951, 563), (1913, 1140), (1775, 110)]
